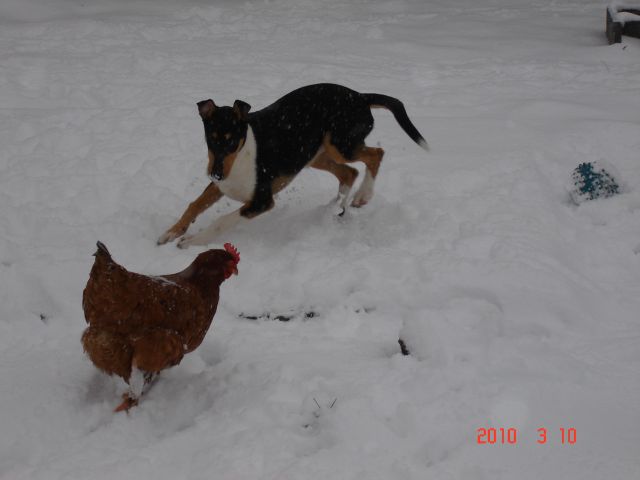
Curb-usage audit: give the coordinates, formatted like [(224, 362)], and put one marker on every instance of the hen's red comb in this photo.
[(233, 251)]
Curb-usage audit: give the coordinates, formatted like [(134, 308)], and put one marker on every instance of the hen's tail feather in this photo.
[(396, 107), (102, 250)]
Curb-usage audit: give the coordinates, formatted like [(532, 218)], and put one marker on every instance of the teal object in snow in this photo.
[(590, 181)]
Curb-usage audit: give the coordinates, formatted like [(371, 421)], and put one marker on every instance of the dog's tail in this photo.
[(395, 106)]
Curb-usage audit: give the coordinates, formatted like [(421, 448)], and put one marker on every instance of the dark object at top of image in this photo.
[(622, 20)]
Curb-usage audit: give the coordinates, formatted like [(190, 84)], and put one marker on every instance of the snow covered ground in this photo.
[(520, 309)]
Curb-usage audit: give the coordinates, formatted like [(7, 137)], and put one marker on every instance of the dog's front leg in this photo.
[(207, 198), (206, 236), (262, 202)]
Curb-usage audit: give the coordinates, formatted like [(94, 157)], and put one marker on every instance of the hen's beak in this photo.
[(232, 268)]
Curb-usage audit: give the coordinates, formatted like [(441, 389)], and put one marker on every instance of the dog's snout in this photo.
[(214, 169)]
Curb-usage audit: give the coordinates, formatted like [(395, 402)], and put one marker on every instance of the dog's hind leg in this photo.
[(371, 157), (345, 174), (207, 198)]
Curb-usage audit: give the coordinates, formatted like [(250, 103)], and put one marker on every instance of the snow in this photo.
[(519, 308)]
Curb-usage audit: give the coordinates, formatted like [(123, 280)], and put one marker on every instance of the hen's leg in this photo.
[(139, 383), (153, 352)]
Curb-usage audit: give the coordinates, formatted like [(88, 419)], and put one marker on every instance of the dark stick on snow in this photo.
[(403, 347)]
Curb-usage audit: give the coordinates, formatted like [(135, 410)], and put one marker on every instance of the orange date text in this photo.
[(511, 436)]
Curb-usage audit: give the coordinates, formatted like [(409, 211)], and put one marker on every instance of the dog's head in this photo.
[(225, 130)]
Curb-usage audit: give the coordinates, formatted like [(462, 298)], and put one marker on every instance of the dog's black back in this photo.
[(292, 129)]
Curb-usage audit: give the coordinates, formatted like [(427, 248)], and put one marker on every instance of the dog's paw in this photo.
[(186, 242), (341, 202), (359, 201), (362, 197), (338, 210), (169, 236), (191, 240)]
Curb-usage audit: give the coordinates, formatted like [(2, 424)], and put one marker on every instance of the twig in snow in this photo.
[(403, 347)]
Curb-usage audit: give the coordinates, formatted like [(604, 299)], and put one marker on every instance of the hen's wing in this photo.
[(127, 302)]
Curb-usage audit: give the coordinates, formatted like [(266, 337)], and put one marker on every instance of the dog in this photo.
[(252, 156)]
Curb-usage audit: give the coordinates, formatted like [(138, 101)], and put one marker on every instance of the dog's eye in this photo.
[(215, 136), (227, 136)]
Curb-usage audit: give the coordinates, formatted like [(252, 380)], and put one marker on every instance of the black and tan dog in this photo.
[(254, 155)]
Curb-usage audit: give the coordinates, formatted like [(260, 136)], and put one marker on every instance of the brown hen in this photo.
[(140, 325)]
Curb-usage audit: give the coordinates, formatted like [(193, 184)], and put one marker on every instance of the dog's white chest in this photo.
[(240, 183)]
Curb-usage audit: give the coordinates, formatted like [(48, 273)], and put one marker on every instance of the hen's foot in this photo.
[(127, 402)]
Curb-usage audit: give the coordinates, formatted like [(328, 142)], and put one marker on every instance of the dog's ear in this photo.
[(206, 108), (241, 108)]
